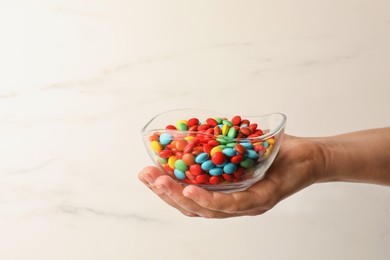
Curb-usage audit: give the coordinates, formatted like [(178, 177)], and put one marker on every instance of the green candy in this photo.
[(247, 163), (162, 160), (180, 165), (224, 140), (219, 120), (229, 123), (231, 145), (232, 133), (182, 127)]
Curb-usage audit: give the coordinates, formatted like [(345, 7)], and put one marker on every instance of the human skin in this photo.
[(362, 156)]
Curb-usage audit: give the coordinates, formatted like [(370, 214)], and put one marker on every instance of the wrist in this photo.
[(323, 160)]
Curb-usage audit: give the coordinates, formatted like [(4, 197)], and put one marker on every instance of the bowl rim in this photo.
[(271, 133)]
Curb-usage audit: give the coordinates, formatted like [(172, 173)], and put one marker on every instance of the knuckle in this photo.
[(231, 209), (189, 214), (208, 215)]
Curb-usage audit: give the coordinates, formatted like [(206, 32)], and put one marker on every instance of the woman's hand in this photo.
[(295, 167)]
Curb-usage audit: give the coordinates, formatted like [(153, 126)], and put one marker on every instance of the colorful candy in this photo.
[(213, 151)]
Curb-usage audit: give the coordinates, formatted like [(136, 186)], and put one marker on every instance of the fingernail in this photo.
[(149, 179), (189, 195), (163, 188)]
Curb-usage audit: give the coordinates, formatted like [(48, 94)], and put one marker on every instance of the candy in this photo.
[(165, 138), (229, 168), (229, 152), (215, 180), (225, 129), (192, 122), (189, 159), (201, 158), (232, 132), (214, 151), (196, 169), (179, 174), (212, 122), (156, 146), (218, 158), (165, 153), (181, 144), (180, 165), (207, 165), (216, 171), (171, 161), (236, 120)]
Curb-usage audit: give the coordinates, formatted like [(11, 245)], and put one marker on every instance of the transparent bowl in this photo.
[(177, 152)]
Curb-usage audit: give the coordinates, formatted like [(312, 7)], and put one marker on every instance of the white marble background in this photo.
[(78, 79)]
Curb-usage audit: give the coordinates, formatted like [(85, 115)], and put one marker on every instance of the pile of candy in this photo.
[(215, 151)]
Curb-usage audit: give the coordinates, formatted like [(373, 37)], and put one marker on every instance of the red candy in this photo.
[(246, 130), (217, 131), (227, 177), (212, 122), (165, 154), (237, 159), (236, 120), (240, 149), (204, 139), (203, 127), (207, 148), (239, 173), (218, 158), (192, 122), (215, 180), (196, 169), (193, 128), (213, 142), (203, 178)]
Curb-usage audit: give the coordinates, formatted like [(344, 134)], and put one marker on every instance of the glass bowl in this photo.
[(212, 150)]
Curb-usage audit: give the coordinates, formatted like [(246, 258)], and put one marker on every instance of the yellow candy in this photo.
[(271, 141), (225, 129), (179, 122), (156, 146), (215, 149), (268, 152), (171, 161), (189, 138)]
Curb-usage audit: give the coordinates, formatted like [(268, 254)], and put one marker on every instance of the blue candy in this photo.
[(179, 174), (251, 154), (216, 171), (201, 158), (230, 168), (247, 145), (165, 138), (229, 152), (207, 165)]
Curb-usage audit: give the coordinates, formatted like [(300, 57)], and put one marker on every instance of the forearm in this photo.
[(362, 156)]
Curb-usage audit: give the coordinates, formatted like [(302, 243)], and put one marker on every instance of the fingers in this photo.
[(171, 192), (195, 201), (174, 191), (253, 201), (148, 176)]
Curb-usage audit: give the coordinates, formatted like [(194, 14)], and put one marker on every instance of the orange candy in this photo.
[(181, 144), (188, 159)]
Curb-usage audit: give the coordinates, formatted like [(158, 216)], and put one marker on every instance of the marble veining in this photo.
[(80, 79)]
